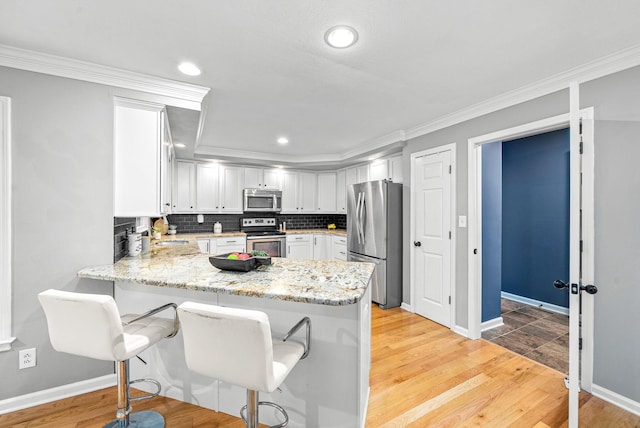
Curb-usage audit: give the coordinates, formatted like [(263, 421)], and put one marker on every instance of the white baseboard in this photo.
[(52, 394), (537, 303), (488, 325), (407, 307), (616, 399), (461, 331)]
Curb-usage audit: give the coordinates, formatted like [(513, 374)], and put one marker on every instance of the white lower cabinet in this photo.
[(339, 247), (222, 245), (300, 246), (231, 244), (205, 245), (321, 247)]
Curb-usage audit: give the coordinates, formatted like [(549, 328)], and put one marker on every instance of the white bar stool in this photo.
[(90, 325), (235, 346)]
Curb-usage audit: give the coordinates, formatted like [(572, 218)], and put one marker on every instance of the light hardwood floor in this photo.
[(423, 375)]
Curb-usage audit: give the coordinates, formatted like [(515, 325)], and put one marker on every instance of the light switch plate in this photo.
[(462, 221)]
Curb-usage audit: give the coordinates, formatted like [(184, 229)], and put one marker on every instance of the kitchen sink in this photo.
[(173, 243)]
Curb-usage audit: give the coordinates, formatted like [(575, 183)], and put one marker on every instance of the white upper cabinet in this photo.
[(219, 188), (378, 170), (327, 195), (307, 188), (341, 192), (362, 173), (184, 185), (258, 178), (138, 151), (207, 187), (253, 177), (299, 192), (272, 179), (231, 185), (395, 169)]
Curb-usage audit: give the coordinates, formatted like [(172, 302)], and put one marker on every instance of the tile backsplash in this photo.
[(122, 226), (188, 223)]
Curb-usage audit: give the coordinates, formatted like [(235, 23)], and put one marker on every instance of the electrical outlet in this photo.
[(27, 358)]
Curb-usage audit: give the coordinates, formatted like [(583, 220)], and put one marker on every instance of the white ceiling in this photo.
[(271, 73)]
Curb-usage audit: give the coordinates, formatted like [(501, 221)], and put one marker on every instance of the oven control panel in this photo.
[(254, 222)]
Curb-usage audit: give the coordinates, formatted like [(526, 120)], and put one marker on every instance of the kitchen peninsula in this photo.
[(329, 388)]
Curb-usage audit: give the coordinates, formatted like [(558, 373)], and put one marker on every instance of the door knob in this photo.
[(417, 243), (590, 289), (560, 284)]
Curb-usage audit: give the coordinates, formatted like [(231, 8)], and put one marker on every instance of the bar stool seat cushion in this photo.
[(90, 325), (235, 346)]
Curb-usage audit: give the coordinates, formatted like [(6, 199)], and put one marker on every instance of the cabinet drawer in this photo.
[(298, 238), (232, 240)]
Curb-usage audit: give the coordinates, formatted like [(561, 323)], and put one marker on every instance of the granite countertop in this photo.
[(325, 282), (339, 232)]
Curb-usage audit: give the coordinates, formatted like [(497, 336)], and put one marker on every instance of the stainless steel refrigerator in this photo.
[(374, 234)]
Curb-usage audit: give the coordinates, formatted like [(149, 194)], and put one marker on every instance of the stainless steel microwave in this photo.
[(262, 200)]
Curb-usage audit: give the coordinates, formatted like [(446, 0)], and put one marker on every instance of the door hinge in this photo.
[(449, 169), (581, 246), (449, 234), (581, 146), (449, 299), (580, 344)]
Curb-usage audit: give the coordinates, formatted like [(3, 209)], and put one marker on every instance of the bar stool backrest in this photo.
[(233, 345), (84, 324)]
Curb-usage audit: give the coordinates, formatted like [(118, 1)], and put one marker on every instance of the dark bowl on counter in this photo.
[(222, 262)]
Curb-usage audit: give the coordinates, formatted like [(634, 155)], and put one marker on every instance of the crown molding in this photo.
[(601, 67), (375, 144), (191, 95)]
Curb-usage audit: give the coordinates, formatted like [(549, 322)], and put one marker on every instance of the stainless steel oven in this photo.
[(263, 235), (275, 246)]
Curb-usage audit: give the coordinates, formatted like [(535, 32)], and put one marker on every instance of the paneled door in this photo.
[(432, 236)]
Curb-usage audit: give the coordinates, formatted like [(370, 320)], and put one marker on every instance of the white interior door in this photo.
[(432, 236)]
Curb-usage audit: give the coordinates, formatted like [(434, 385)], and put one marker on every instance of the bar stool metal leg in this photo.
[(124, 417), (252, 409)]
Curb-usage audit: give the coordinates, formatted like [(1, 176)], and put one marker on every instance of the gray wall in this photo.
[(616, 99), (617, 233), (62, 211), (540, 108), (62, 137)]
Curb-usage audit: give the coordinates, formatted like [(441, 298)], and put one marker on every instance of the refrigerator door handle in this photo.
[(357, 214), (363, 213)]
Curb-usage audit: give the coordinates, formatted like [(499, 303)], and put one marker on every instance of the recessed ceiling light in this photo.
[(341, 36), (180, 145), (282, 140), (189, 69)]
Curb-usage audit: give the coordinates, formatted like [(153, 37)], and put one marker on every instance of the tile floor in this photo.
[(535, 333)]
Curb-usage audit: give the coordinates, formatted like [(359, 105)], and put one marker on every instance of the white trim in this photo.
[(475, 197), (5, 225), (616, 399), (454, 232), (407, 307), (488, 325), (190, 95), (604, 66), (58, 393), (461, 331), (475, 231), (535, 303)]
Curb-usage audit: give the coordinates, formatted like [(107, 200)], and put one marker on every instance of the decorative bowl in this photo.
[(222, 262)]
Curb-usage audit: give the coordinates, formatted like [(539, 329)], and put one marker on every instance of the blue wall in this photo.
[(535, 216), (491, 229)]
